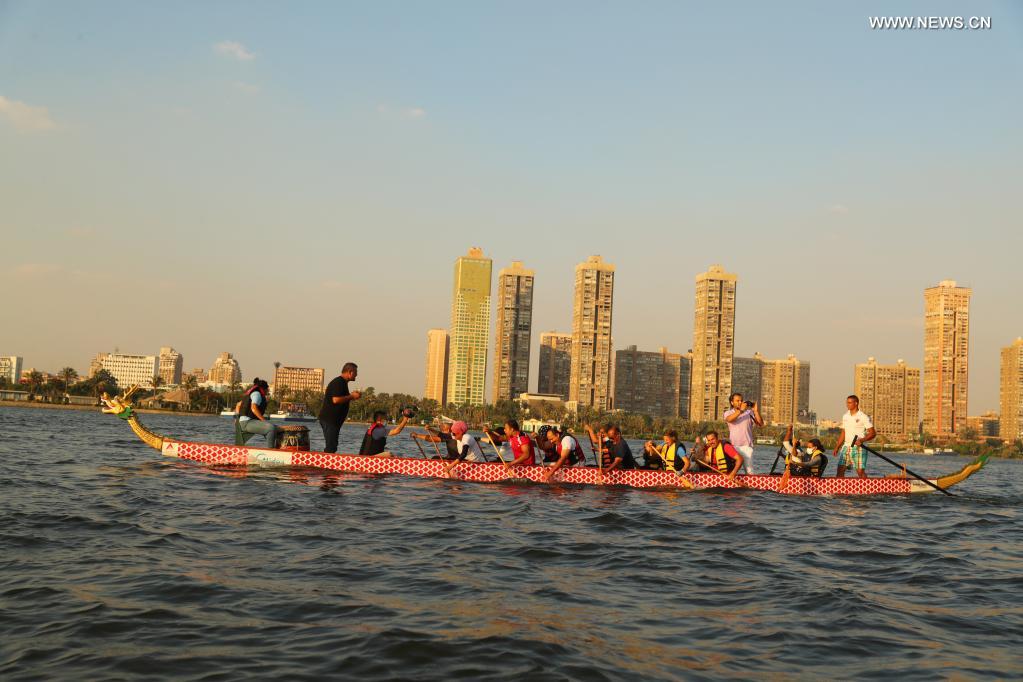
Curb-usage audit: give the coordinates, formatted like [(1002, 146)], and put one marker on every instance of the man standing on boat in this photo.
[(252, 414), (741, 417), (336, 401), (856, 426)]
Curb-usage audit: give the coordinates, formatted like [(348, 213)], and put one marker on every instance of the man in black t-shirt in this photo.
[(336, 401)]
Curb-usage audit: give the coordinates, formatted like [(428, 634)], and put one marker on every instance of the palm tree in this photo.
[(35, 380), (190, 382), (157, 382), (68, 375)]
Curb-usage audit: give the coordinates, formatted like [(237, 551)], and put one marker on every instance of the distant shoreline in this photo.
[(95, 408)]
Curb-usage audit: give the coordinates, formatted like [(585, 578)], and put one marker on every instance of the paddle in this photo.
[(436, 443), (416, 441), (490, 438), (787, 474), (903, 467)]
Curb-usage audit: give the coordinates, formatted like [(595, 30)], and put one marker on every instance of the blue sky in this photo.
[(293, 182)]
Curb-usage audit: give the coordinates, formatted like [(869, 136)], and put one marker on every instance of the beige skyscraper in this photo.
[(514, 331), (713, 344), (1011, 391), (655, 384), (590, 382), (295, 379), (171, 364), (555, 366), (946, 358), (890, 394), (436, 366), (470, 329), (785, 391), (225, 370)]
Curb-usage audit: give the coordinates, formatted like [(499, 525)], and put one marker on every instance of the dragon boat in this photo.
[(218, 454)]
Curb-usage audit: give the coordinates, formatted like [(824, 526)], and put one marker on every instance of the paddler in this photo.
[(804, 459), (621, 453), (442, 436), (548, 449), (671, 456), (720, 457), (374, 442), (569, 450), (520, 444), (251, 409), (468, 447)]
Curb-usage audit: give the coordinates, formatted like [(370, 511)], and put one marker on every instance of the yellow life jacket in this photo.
[(668, 454), (718, 458)]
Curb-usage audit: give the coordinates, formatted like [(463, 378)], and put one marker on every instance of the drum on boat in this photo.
[(292, 437)]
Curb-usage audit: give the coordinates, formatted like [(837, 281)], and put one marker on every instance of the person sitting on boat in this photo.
[(569, 450), (468, 447), (670, 457), (804, 459), (442, 436), (719, 456), (600, 441), (547, 448), (520, 444), (252, 414), (374, 442), (621, 453)]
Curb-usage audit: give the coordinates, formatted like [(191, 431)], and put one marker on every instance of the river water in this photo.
[(117, 563)]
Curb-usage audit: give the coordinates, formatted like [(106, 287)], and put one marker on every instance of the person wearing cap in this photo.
[(804, 459), (442, 436), (252, 414), (548, 450), (468, 447)]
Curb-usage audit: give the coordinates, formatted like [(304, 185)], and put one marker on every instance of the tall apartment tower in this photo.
[(747, 376), (590, 382), (890, 394), (171, 365), (785, 391), (946, 358), (713, 344), (436, 366), (225, 370), (555, 368), (655, 384), (514, 332), (1011, 392), (470, 328)]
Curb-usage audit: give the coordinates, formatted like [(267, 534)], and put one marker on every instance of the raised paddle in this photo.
[(436, 443), (903, 467)]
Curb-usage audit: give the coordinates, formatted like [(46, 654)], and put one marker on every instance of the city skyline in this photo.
[(182, 167)]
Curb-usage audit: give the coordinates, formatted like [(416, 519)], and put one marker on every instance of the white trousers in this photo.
[(747, 456)]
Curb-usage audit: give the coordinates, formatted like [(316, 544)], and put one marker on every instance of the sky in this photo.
[(294, 181)]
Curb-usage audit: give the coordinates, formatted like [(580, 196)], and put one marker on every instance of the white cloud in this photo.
[(235, 50), (247, 88), (25, 117), (32, 269)]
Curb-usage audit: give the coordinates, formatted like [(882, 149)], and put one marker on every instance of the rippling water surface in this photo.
[(115, 562)]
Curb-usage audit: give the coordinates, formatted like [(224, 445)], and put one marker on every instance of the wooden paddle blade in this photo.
[(786, 475)]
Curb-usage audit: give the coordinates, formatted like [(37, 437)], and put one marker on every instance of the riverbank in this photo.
[(95, 408)]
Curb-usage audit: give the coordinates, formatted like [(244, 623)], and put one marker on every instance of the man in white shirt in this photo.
[(468, 447), (856, 426)]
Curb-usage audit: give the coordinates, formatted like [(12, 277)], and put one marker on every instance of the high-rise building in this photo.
[(713, 344), (225, 370), (590, 382), (785, 391), (10, 368), (890, 394), (171, 364), (1011, 392), (470, 329), (514, 331), (96, 364), (436, 366), (130, 369), (655, 384), (199, 374), (986, 425), (946, 358), (555, 368), (746, 376), (297, 379)]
